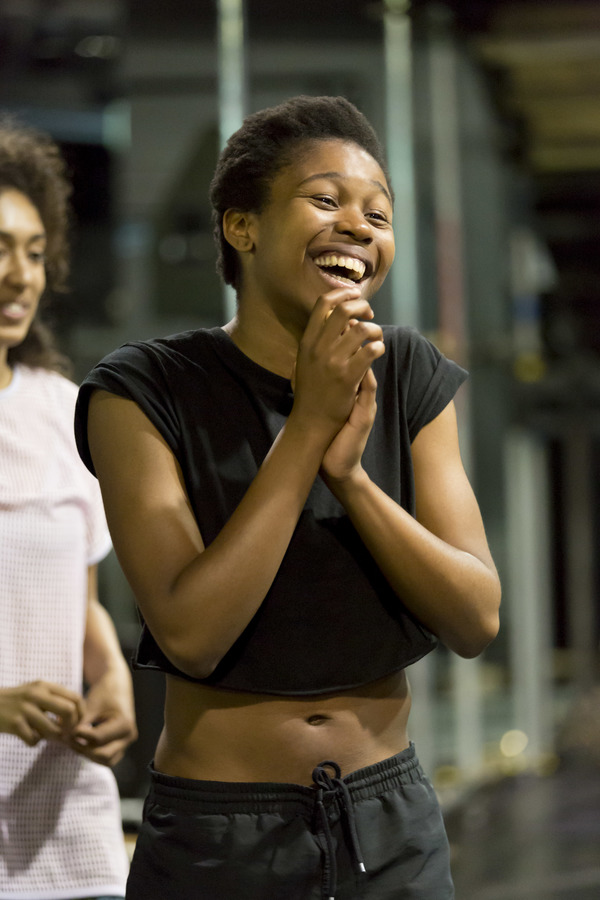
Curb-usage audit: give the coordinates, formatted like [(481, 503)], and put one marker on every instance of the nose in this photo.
[(353, 223), (20, 269)]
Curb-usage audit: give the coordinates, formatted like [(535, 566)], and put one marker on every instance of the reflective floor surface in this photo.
[(529, 837)]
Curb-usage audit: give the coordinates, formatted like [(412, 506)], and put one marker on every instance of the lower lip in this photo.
[(13, 315), (336, 281)]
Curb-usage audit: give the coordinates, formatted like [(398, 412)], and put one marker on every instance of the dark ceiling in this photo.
[(542, 60)]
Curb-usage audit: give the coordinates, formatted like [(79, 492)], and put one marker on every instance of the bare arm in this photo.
[(197, 600), (107, 725), (439, 564)]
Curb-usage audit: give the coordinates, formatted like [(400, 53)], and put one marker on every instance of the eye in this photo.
[(378, 217), (325, 199), (37, 256)]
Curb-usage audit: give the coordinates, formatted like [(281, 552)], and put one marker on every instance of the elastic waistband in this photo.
[(247, 797)]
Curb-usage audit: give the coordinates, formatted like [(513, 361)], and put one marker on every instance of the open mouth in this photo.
[(13, 310), (345, 269)]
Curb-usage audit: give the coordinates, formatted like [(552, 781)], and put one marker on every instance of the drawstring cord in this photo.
[(325, 782)]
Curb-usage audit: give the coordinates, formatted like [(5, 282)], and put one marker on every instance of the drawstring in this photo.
[(325, 782)]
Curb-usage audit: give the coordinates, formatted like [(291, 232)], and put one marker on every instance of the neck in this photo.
[(5, 370), (264, 340), (5, 376)]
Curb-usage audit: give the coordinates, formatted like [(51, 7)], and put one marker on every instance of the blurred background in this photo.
[(490, 112)]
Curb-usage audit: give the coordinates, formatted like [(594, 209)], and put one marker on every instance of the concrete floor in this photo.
[(529, 837)]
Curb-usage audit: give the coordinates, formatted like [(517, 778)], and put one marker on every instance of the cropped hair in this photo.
[(31, 162), (264, 144)]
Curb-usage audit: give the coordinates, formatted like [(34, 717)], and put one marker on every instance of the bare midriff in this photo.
[(218, 735)]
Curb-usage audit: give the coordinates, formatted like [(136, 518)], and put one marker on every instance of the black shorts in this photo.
[(377, 833)]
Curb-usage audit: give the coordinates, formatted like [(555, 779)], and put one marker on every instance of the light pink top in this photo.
[(60, 826)]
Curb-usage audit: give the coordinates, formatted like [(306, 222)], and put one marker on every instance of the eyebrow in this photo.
[(372, 181), (8, 236)]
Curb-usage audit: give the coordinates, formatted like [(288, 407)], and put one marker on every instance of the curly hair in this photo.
[(264, 144), (32, 163)]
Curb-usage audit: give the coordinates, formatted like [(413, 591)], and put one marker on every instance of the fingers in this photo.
[(338, 347), (103, 732), (25, 730), (342, 461), (66, 705), (346, 301), (341, 322), (106, 740), (44, 711), (39, 710), (368, 387), (107, 753), (363, 412)]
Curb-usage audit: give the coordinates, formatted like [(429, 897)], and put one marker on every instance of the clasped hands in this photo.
[(334, 364), (99, 726)]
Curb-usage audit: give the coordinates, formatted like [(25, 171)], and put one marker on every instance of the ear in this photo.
[(238, 229)]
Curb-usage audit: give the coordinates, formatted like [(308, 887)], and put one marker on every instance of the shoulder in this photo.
[(49, 389), (410, 346), (155, 374), (154, 354), (415, 359), (416, 371)]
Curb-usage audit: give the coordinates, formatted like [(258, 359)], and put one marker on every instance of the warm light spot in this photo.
[(513, 743)]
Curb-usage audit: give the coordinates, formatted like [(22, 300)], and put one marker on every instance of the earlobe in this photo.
[(237, 229)]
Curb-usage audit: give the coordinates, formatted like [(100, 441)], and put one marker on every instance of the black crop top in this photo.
[(330, 621)]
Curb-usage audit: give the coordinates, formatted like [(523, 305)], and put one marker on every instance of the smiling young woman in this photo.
[(22, 271), (287, 500), (59, 810)]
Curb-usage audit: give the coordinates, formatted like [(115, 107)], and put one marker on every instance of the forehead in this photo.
[(17, 212), (335, 159)]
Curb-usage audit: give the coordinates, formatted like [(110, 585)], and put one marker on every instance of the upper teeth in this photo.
[(356, 266)]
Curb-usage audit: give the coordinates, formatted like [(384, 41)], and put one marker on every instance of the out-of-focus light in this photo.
[(173, 249), (98, 46), (529, 367), (513, 743)]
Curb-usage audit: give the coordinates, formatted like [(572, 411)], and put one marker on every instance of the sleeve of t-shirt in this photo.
[(430, 379), (137, 372)]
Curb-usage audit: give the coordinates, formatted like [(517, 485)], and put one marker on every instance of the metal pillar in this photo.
[(453, 329), (579, 514), (232, 88), (528, 514), (400, 136), (404, 276)]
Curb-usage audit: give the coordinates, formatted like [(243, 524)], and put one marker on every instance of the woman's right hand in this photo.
[(336, 351), (39, 710)]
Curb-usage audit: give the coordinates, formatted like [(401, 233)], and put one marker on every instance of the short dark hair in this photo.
[(264, 145), (31, 162)]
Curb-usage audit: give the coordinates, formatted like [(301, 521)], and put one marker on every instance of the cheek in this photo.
[(40, 284), (36, 303), (388, 253)]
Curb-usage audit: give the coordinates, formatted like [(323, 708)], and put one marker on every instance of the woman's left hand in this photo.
[(343, 457), (108, 724)]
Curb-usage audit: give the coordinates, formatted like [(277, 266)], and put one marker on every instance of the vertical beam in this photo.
[(579, 514), (399, 142), (453, 329), (404, 275), (232, 87), (528, 514), (447, 189), (422, 726)]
